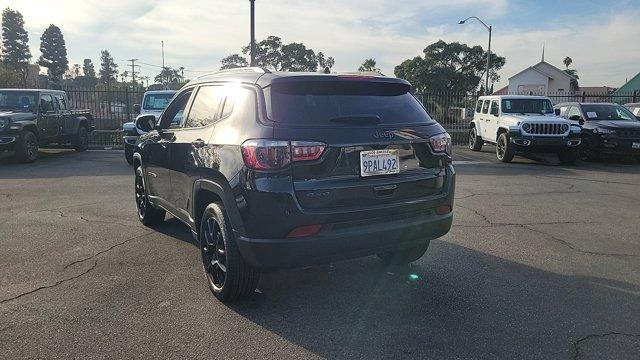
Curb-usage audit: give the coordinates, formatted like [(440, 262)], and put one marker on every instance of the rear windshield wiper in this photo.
[(358, 119)]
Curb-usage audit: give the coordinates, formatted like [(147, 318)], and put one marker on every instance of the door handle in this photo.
[(198, 143)]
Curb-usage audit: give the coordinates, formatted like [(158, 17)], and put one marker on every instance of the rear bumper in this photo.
[(344, 241)]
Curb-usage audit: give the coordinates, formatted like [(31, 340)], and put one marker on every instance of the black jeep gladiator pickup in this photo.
[(30, 118)]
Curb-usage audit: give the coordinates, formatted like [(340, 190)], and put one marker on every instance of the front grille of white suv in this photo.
[(545, 129)]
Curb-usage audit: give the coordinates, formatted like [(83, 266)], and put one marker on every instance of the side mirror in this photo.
[(136, 108), (145, 123), (557, 111)]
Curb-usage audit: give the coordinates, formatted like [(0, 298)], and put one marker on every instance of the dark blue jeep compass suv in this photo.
[(274, 170)]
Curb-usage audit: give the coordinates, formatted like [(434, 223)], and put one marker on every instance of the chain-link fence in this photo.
[(112, 107)]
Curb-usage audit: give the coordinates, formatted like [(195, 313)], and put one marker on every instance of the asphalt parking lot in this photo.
[(543, 262)]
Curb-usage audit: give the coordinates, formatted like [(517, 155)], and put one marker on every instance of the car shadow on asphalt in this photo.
[(453, 303), (438, 309)]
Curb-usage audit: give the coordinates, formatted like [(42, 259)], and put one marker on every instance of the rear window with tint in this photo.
[(316, 103)]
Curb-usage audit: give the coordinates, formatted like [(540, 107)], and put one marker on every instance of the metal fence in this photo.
[(112, 107)]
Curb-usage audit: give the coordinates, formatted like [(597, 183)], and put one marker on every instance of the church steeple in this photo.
[(542, 52)]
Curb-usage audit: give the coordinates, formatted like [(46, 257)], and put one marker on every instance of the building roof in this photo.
[(533, 67), (631, 86)]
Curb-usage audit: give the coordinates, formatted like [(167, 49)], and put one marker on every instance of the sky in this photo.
[(602, 37)]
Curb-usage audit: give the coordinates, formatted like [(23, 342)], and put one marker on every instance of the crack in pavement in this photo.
[(62, 207), (576, 344), (73, 263), (59, 282), (106, 250), (527, 226)]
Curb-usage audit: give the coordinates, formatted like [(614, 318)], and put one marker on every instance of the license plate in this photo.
[(379, 162), (635, 145)]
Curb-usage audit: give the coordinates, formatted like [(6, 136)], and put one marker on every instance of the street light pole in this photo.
[(489, 29), (253, 32)]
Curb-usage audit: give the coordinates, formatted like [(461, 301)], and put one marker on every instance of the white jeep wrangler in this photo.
[(522, 124)]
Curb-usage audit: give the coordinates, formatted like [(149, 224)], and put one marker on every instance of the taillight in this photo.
[(304, 231), (306, 150), (266, 154), (441, 143), (276, 154)]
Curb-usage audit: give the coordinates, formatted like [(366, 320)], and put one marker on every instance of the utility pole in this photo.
[(133, 70), (253, 32), (162, 72)]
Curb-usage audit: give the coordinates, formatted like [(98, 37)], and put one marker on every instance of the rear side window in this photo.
[(479, 106), (322, 103), (485, 107), (205, 108), (62, 105)]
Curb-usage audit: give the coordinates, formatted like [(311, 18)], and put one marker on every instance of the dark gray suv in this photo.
[(274, 170)]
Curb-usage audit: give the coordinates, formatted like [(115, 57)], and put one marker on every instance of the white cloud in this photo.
[(198, 33)]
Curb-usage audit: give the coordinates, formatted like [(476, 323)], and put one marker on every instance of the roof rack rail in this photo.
[(254, 69)]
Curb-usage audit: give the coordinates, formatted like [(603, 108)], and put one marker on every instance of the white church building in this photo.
[(542, 79)]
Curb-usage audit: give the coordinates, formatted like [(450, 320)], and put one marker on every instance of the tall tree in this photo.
[(368, 65), (54, 53), (272, 52), (108, 68), (567, 62), (15, 42), (88, 69), (233, 61), (449, 67)]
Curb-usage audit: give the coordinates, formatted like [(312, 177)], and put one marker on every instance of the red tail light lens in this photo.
[(441, 143), (443, 209), (274, 154), (306, 150), (266, 154)]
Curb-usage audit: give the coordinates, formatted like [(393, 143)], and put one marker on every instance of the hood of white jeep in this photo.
[(518, 118)]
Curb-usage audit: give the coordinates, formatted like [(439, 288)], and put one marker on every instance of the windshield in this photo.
[(25, 101), (156, 101), (527, 106), (334, 103), (607, 112)]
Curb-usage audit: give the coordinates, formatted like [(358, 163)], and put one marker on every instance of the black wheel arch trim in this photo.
[(223, 191)]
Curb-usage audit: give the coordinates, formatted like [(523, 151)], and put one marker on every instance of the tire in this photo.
[(27, 147), (568, 157), (81, 139), (128, 153), (229, 277), (405, 255), (475, 141), (147, 213), (504, 148)]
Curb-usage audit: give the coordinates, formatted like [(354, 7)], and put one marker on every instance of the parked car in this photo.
[(519, 124), (274, 170), (31, 118), (153, 103), (634, 108), (607, 129)]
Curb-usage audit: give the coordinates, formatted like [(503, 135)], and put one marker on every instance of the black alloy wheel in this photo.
[(214, 258)]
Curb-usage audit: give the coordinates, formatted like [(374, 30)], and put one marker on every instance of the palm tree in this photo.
[(567, 62), (368, 65)]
